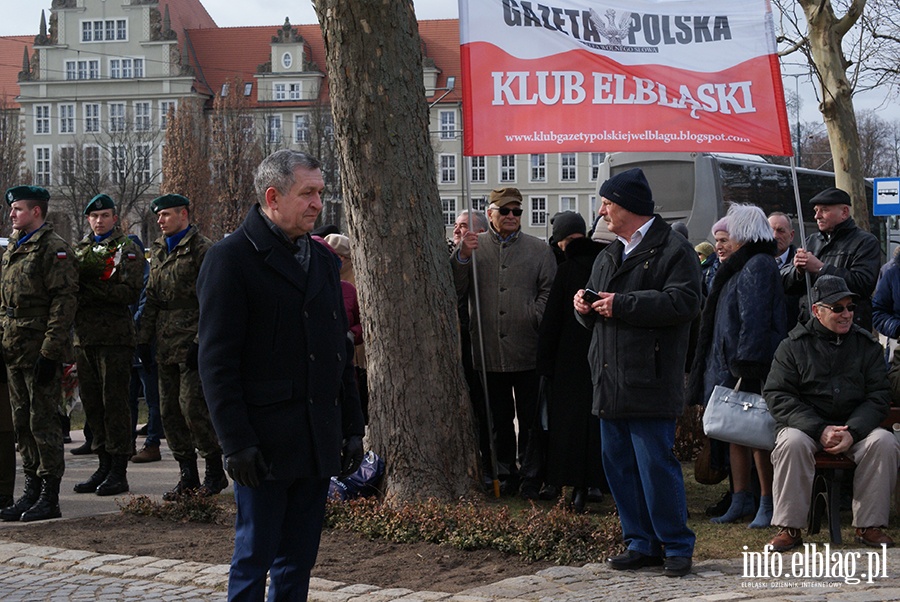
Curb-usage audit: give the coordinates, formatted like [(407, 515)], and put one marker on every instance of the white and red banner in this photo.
[(614, 75)]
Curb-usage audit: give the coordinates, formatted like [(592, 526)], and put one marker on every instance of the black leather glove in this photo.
[(246, 467), (44, 370), (351, 455), (192, 360), (145, 353)]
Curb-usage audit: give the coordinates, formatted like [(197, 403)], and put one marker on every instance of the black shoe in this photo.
[(579, 499), (630, 560), (549, 492), (677, 566), (529, 490), (720, 507), (509, 486), (82, 450)]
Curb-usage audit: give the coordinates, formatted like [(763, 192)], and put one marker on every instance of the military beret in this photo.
[(167, 201), (26, 193), (831, 196), (99, 203)]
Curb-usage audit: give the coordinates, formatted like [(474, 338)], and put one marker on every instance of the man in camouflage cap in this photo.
[(37, 295), (171, 316), (111, 276)]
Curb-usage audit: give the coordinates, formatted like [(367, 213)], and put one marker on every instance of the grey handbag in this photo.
[(739, 417)]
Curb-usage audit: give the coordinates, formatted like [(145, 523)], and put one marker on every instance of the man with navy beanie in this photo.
[(647, 287)]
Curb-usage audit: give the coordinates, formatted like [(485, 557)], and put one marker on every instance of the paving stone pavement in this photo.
[(29, 572)]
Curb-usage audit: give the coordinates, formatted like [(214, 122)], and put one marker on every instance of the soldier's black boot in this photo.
[(214, 480), (29, 497), (115, 482), (47, 505), (90, 486), (189, 481)]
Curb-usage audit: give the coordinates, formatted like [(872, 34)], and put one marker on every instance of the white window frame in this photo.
[(65, 175), (279, 92), (42, 125), (115, 68), (43, 165), (301, 127), (295, 91), (164, 106), (104, 30), (142, 118), (121, 30), (66, 118), (82, 69), (568, 167), (479, 204), (447, 168), (447, 120), (596, 161), (143, 163), (568, 202), (287, 59), (477, 169), (70, 70), (118, 153), (92, 155), (592, 201), (448, 209), (537, 211), (507, 171), (273, 129), (537, 171), (91, 117), (116, 112)]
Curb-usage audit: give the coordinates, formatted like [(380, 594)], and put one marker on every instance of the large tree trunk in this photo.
[(421, 418), (825, 34)]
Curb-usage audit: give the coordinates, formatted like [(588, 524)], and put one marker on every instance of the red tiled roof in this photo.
[(186, 14), (226, 52), (11, 52)]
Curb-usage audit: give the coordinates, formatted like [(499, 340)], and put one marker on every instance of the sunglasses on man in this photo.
[(839, 309), (507, 211)]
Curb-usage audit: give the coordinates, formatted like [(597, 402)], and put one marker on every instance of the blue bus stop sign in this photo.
[(887, 196)]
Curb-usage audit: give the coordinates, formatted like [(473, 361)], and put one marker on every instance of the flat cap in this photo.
[(167, 201), (829, 289), (504, 196), (831, 196), (26, 193), (99, 203)]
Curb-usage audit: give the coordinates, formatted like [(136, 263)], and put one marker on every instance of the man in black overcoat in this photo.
[(277, 371)]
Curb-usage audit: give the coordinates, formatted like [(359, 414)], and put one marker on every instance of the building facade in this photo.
[(100, 80)]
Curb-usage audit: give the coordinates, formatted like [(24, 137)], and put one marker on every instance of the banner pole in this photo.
[(802, 228)]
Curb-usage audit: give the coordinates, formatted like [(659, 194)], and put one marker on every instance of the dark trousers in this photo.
[(277, 531), (513, 395), (146, 379)]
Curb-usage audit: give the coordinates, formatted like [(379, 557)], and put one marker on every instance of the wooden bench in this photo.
[(831, 473)]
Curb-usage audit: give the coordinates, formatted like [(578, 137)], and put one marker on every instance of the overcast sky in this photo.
[(236, 13)]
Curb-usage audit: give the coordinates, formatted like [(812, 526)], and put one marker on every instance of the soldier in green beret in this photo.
[(111, 276), (170, 318), (37, 307)]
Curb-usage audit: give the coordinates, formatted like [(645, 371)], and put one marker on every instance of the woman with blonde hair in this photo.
[(741, 325)]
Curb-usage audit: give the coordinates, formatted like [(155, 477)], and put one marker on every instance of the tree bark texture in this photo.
[(826, 32), (420, 414)]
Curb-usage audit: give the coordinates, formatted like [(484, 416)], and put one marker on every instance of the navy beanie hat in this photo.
[(630, 190), (565, 224)]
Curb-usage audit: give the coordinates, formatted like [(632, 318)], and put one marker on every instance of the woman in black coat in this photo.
[(573, 452)]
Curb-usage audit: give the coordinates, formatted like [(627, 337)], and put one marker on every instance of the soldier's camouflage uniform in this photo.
[(105, 337), (171, 315), (37, 294)]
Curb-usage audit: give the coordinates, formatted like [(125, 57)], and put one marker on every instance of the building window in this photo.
[(568, 203), (479, 204), (538, 168), (126, 68), (448, 169), (287, 60), (248, 88), (142, 158), (41, 119), (280, 92), (67, 119), (295, 91), (273, 129), (142, 116), (507, 168), (117, 117), (109, 30), (164, 107), (83, 69), (70, 70), (538, 210), (91, 118), (121, 29), (66, 165), (448, 207), (115, 68), (448, 125), (594, 208), (568, 170), (596, 160), (301, 128), (42, 165), (92, 162), (477, 169), (117, 163)]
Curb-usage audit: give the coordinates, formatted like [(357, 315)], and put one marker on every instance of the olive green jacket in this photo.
[(37, 294), (172, 310), (103, 316)]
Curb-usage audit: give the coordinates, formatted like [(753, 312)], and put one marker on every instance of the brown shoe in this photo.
[(148, 453), (874, 537), (787, 539)]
